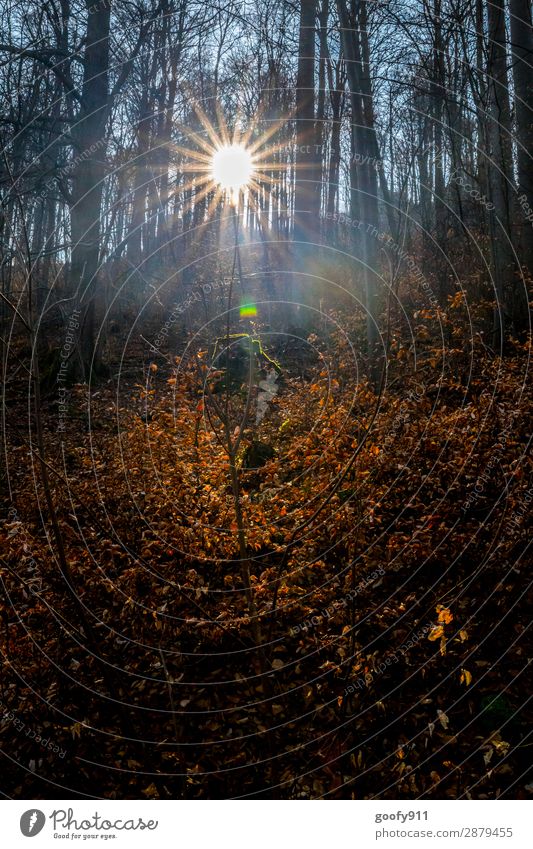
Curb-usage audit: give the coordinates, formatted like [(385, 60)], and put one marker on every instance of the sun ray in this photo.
[(210, 187), (260, 180), (194, 154), (207, 125), (223, 127), (214, 202), (197, 139), (267, 134), (194, 182)]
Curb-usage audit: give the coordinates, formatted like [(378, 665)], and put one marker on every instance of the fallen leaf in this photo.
[(436, 632), (443, 719), (466, 677), (445, 616)]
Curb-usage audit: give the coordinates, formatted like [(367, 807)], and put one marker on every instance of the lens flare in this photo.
[(248, 311)]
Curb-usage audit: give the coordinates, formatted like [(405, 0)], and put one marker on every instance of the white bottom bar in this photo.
[(268, 824)]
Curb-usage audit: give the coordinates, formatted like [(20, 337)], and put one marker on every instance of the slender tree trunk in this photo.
[(500, 168), (320, 134), (304, 201), (305, 212), (522, 64), (138, 213), (365, 144), (438, 89), (335, 149)]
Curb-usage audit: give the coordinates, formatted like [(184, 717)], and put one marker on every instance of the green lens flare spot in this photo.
[(248, 311)]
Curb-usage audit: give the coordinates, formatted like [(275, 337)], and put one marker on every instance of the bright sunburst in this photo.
[(236, 165), (232, 167)]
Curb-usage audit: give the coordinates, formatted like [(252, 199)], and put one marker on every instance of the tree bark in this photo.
[(365, 144), (304, 195), (500, 169), (87, 178), (522, 64), (305, 213)]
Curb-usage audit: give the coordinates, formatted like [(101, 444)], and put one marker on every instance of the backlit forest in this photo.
[(265, 339)]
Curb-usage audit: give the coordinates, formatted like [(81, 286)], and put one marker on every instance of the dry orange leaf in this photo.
[(466, 677), (445, 616)]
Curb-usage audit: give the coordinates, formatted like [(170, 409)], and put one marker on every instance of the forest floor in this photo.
[(390, 651)]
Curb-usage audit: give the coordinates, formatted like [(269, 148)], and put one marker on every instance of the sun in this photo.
[(232, 167), (235, 166)]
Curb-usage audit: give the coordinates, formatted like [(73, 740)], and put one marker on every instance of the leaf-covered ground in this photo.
[(387, 540)]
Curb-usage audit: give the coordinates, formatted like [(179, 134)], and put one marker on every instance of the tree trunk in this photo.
[(500, 168), (365, 144), (321, 106), (140, 180), (438, 89), (87, 179), (522, 62), (305, 213)]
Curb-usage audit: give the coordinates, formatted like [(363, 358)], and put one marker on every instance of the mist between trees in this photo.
[(102, 193)]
